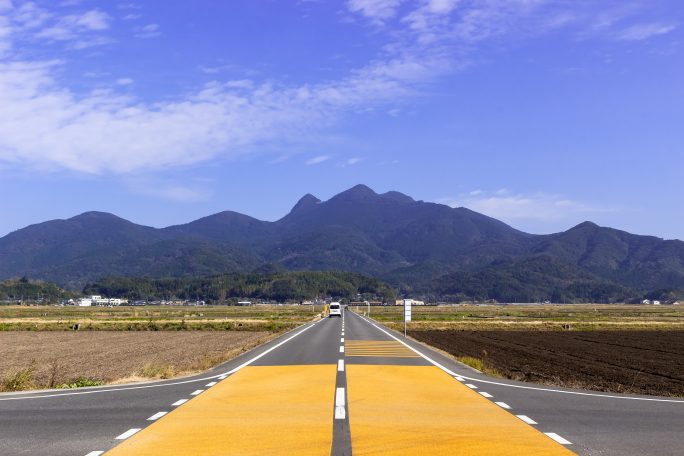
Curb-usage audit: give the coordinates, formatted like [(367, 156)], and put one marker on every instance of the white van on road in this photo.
[(335, 309)]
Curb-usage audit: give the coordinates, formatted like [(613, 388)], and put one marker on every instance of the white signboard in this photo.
[(407, 309)]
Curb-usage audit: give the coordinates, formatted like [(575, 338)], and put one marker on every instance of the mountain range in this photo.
[(420, 247)]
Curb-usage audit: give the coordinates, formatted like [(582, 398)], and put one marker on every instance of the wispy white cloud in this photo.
[(515, 207), (639, 32), (317, 160), (377, 11), (186, 192), (69, 27), (148, 31), (124, 81)]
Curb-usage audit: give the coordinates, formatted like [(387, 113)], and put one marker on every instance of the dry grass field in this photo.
[(155, 318), (534, 317), (30, 359)]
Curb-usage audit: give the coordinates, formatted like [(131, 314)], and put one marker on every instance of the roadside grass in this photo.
[(479, 365), (19, 380), (158, 371), (81, 382)]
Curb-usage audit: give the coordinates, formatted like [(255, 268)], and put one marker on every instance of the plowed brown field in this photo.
[(641, 362), (59, 357)]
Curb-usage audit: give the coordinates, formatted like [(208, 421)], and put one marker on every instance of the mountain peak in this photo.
[(586, 225), (305, 202), (96, 216), (359, 191)]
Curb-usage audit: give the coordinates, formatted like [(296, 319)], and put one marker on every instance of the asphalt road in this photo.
[(336, 387)]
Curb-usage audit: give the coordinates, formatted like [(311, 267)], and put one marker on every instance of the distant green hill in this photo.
[(276, 286), (416, 246)]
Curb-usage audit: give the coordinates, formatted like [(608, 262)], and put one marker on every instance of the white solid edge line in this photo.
[(526, 419), (95, 453), (534, 388), (156, 416), (339, 397), (340, 365), (180, 402), (558, 438), (503, 405), (196, 392), (485, 394), (127, 434), (159, 385), (340, 413)]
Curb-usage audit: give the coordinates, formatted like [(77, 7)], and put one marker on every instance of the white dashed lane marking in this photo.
[(558, 438), (210, 384), (196, 392), (485, 394), (340, 365), (342, 340), (526, 419), (471, 386), (342, 349), (180, 402), (127, 434), (156, 416), (340, 412), (503, 405), (95, 453)]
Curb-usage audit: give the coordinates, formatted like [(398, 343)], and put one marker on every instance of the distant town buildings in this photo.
[(97, 300)]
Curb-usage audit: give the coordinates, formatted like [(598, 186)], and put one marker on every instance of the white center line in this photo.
[(526, 419), (127, 434), (485, 394), (196, 392), (156, 416), (180, 402), (342, 349), (210, 384), (471, 386), (95, 453), (340, 413), (340, 365), (503, 405), (339, 397), (558, 438)]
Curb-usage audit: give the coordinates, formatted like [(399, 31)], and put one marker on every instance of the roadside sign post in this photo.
[(407, 313), (368, 304)]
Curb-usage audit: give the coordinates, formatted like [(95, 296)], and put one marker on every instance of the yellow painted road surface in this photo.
[(420, 410), (378, 348), (260, 410)]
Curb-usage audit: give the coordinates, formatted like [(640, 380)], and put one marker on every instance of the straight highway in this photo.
[(338, 386)]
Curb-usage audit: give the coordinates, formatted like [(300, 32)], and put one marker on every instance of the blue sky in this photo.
[(541, 113)]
